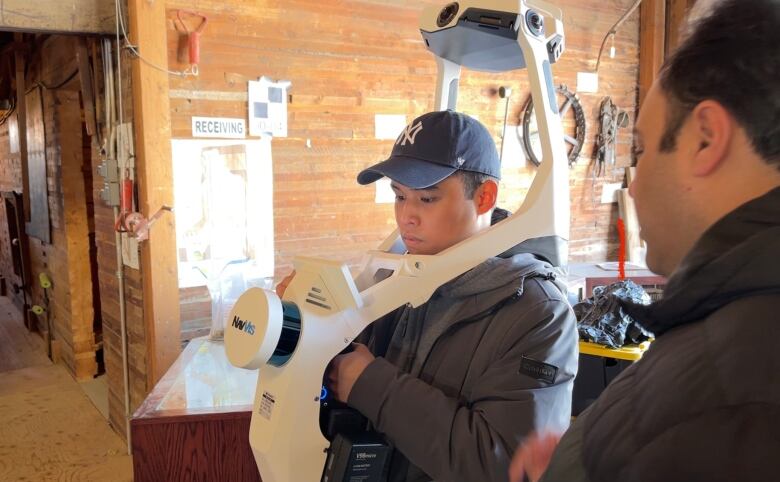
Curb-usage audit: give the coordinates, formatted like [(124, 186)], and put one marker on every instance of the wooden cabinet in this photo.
[(194, 425)]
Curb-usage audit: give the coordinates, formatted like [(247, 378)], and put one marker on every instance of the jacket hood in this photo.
[(497, 272), (736, 257)]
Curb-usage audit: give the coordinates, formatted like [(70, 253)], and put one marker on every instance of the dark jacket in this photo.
[(703, 404), (457, 402)]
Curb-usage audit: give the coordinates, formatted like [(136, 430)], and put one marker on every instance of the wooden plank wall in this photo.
[(51, 258), (349, 60), (109, 283), (72, 286), (66, 259)]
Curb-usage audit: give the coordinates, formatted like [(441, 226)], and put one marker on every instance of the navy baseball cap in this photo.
[(434, 146)]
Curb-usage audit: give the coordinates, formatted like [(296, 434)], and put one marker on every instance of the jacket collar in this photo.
[(736, 257)]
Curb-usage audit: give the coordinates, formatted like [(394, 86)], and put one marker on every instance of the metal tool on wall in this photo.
[(610, 120), (574, 137), (130, 221), (192, 38)]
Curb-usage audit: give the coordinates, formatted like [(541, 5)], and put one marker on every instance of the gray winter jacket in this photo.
[(493, 357), (703, 404)]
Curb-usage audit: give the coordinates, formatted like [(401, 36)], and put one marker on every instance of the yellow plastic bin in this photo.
[(599, 365)]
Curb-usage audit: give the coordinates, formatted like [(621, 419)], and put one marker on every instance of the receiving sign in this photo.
[(218, 127)]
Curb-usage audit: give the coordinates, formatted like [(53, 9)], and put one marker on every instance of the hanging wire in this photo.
[(119, 63), (58, 86), (129, 46), (4, 118), (612, 31)]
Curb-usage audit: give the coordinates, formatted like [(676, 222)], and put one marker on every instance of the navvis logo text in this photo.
[(243, 325)]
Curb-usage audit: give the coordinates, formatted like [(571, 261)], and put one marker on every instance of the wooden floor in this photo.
[(49, 430), (19, 348)]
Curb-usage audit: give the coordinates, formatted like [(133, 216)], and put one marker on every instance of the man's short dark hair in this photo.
[(472, 180), (730, 56)]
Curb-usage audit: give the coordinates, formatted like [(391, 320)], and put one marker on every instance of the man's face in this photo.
[(661, 186), (433, 219)]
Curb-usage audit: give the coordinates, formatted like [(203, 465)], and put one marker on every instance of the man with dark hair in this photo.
[(472, 180), (453, 384), (703, 404)]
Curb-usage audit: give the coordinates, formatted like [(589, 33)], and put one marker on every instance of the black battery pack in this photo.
[(362, 457)]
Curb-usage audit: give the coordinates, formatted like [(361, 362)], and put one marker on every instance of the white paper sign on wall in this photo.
[(268, 107), (388, 126)]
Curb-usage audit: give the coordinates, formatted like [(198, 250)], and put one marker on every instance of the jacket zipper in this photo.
[(488, 312), (483, 314)]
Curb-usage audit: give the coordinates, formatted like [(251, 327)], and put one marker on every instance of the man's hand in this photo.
[(533, 457), (345, 369), (282, 286)]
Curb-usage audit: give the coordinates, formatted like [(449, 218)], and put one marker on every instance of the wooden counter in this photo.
[(194, 425)]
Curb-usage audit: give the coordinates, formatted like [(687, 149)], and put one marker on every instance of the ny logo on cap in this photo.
[(409, 134)]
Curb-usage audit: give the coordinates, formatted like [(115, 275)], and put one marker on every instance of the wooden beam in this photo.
[(155, 182), (71, 16), (676, 13), (74, 309), (652, 29)]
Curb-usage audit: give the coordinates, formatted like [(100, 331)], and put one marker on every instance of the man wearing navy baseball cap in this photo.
[(447, 164), (457, 382)]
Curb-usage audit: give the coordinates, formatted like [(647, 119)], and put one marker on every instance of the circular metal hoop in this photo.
[(574, 141)]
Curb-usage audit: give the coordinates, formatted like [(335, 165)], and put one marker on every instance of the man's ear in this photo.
[(485, 196), (713, 128)]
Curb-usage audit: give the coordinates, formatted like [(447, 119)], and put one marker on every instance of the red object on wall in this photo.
[(194, 43), (125, 202), (193, 37)]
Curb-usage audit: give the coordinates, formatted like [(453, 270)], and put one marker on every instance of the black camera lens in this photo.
[(535, 22), (447, 14)]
